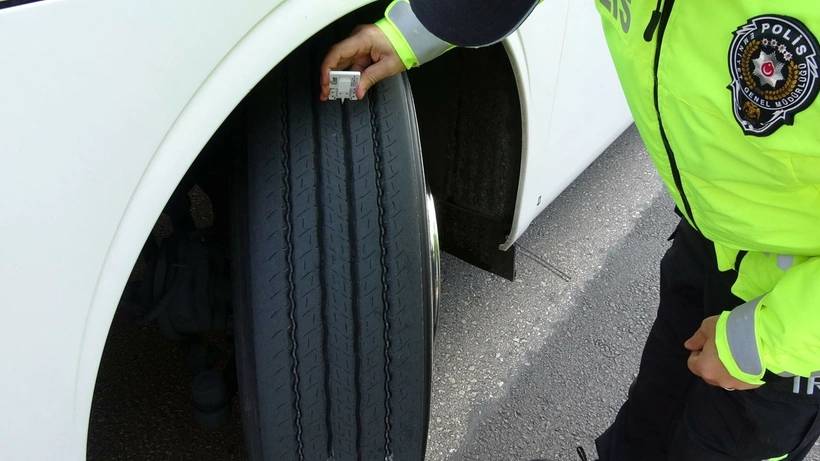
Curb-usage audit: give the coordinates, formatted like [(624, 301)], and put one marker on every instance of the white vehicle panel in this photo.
[(573, 103), (104, 105)]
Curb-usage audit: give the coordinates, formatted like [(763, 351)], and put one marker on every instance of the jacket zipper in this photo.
[(658, 22), (653, 22)]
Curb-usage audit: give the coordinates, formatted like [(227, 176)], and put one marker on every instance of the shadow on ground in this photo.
[(576, 380)]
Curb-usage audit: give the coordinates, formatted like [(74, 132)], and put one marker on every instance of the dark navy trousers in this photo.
[(671, 414)]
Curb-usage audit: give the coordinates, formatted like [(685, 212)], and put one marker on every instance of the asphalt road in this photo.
[(523, 370), (531, 369)]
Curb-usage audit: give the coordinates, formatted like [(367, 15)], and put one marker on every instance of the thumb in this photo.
[(693, 363), (385, 68), (696, 342)]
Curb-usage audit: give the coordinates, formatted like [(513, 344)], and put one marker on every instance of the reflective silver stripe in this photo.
[(785, 262), (740, 333), (425, 45)]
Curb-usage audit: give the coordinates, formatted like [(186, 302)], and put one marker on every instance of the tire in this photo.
[(336, 273)]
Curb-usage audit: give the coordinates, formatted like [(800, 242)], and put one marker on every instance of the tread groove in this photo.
[(385, 288), (353, 267), (291, 287), (323, 273)]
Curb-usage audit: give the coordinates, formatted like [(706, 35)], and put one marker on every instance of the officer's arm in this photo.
[(780, 332), (417, 31), (422, 30)]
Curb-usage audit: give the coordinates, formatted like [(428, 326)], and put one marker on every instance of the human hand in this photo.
[(368, 51), (704, 361)]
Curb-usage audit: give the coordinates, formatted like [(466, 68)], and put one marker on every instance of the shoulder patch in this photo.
[(773, 62)]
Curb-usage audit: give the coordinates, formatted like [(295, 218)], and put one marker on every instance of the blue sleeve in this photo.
[(472, 23)]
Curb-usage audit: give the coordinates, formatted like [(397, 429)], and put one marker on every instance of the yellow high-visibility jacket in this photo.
[(724, 96)]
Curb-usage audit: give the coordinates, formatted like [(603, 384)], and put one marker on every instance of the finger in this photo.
[(746, 387), (738, 385), (361, 63), (693, 363), (696, 342), (341, 56), (374, 74), (333, 60)]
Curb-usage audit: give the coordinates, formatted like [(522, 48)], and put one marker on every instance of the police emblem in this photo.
[(773, 61)]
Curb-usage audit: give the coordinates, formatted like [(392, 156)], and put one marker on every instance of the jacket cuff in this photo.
[(414, 44), (399, 43), (737, 344)]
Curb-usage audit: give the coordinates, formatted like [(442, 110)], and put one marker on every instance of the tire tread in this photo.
[(333, 227)]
